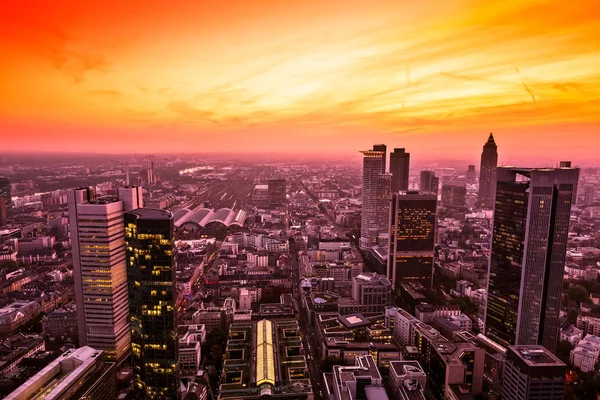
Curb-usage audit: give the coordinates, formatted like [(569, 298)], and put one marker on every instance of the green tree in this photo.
[(563, 350), (578, 294)]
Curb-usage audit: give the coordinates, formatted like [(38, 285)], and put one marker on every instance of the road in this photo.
[(311, 348)]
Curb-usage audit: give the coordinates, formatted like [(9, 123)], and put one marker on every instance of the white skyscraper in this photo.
[(99, 269)]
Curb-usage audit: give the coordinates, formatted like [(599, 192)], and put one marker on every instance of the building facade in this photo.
[(100, 272), (152, 297), (375, 198), (411, 238), (529, 245), (532, 372), (399, 168)]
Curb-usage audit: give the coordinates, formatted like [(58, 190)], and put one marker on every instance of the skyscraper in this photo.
[(5, 191), (471, 175), (152, 297), (383, 148), (487, 174), (399, 168), (375, 198), (529, 245), (99, 271), (532, 372), (429, 182), (412, 238)]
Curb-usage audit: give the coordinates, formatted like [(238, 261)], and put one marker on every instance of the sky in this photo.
[(433, 76)]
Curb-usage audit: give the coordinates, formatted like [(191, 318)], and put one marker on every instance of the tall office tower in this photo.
[(399, 168), (100, 272), (412, 238), (5, 191), (131, 197), (152, 298), (375, 194), (384, 182), (487, 174), (533, 372), (471, 175), (454, 195), (429, 182), (382, 147), (529, 245)]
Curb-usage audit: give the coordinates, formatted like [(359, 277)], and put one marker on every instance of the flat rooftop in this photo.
[(152, 213), (536, 356)]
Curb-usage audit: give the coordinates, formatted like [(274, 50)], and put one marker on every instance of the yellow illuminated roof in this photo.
[(265, 362)]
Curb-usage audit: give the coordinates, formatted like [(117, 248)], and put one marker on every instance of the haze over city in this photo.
[(300, 200), (306, 77)]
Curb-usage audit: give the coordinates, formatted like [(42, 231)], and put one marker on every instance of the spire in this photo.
[(491, 138)]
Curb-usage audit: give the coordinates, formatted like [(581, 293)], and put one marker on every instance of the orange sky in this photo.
[(435, 76)]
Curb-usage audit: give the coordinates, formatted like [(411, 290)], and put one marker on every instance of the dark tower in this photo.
[(382, 147), (412, 238), (487, 174), (399, 168), (152, 298), (529, 246)]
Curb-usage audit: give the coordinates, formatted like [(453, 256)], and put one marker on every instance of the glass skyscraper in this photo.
[(412, 238), (152, 298), (399, 168), (529, 245)]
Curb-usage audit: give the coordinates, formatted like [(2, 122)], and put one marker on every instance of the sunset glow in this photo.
[(311, 76)]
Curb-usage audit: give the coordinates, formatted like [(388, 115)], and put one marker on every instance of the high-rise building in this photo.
[(399, 168), (412, 238), (100, 272), (375, 198), (152, 297), (5, 191), (471, 175), (131, 197), (533, 372), (429, 182), (487, 173), (383, 148), (529, 245), (454, 195)]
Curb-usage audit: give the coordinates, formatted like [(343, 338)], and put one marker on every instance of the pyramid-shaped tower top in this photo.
[(491, 138)]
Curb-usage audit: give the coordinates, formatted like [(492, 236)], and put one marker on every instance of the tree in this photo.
[(563, 351), (577, 294)]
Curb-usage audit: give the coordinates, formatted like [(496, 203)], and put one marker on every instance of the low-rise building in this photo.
[(17, 347), (17, 314), (358, 381), (189, 349), (60, 326), (265, 358), (407, 380), (77, 374), (585, 355), (589, 325)]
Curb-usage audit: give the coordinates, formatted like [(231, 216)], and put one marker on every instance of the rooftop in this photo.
[(536, 356), (151, 213)]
